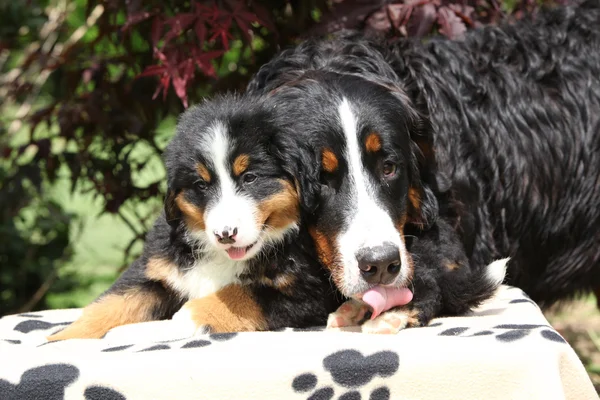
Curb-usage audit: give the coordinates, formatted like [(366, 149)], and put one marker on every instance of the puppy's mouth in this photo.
[(238, 253)]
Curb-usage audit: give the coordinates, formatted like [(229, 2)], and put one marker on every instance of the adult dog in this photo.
[(229, 247), (452, 153)]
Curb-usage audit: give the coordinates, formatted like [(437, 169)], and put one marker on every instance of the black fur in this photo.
[(506, 138)]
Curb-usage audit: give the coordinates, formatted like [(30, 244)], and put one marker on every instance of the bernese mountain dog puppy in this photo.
[(438, 157), (229, 250)]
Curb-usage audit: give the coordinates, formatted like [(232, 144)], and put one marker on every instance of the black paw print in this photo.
[(350, 370), (174, 344), (507, 333)]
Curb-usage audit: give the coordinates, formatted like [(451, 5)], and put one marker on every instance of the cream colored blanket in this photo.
[(505, 350)]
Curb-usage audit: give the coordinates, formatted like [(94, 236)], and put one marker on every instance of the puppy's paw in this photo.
[(391, 322), (187, 325), (351, 313)]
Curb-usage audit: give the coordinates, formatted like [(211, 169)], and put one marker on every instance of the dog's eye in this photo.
[(389, 169), (202, 185), (249, 178)]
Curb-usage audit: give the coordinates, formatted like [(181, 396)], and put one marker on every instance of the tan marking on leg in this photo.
[(109, 312), (329, 161), (392, 321), (281, 209), (159, 269), (240, 164), (282, 282), (203, 172), (231, 309), (193, 216), (373, 142), (452, 266)]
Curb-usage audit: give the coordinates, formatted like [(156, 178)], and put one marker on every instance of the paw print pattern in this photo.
[(350, 371), (175, 344), (507, 333)]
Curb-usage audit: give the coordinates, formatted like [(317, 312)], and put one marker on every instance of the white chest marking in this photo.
[(206, 277)]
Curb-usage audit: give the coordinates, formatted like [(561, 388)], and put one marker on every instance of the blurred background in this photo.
[(89, 96)]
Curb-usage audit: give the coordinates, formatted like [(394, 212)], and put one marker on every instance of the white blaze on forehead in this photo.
[(231, 208), (368, 224)]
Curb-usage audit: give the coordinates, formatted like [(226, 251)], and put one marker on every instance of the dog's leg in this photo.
[(393, 321), (351, 313), (231, 309), (112, 310)]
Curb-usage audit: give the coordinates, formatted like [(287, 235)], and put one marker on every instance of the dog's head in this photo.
[(372, 153), (227, 188)]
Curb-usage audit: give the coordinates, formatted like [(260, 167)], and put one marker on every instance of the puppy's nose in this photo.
[(380, 264), (227, 235)]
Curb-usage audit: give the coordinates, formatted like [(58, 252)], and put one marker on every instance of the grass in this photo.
[(579, 323)]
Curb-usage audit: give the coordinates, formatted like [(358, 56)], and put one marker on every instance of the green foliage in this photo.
[(91, 90)]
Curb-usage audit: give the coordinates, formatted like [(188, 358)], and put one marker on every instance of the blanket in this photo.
[(505, 349)]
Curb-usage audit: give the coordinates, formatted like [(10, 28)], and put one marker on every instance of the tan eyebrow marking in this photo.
[(240, 164), (329, 160), (203, 172), (373, 142)]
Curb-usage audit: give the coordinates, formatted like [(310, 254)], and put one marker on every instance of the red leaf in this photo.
[(152, 70), (379, 21), (244, 27), (464, 12), (422, 20), (222, 32), (399, 14), (200, 29), (450, 25), (203, 61), (157, 27), (178, 24)]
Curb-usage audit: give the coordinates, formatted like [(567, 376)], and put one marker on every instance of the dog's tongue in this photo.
[(383, 298), (235, 253)]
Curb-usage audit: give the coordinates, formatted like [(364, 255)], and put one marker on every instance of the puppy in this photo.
[(439, 157), (229, 247)]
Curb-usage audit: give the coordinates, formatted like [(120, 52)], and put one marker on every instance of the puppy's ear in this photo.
[(172, 211), (302, 165)]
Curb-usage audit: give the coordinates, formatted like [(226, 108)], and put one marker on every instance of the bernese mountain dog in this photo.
[(229, 251), (436, 157)]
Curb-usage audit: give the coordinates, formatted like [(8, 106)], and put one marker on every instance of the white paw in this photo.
[(351, 313), (184, 324), (390, 322)]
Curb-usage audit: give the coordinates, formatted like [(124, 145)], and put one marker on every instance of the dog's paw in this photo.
[(186, 325), (351, 313), (391, 322)]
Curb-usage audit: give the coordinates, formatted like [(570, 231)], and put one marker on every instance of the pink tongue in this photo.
[(383, 298), (235, 253)]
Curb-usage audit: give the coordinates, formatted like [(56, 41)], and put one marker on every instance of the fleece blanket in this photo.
[(503, 350)]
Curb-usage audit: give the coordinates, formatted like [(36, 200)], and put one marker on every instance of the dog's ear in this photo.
[(302, 165), (172, 211), (423, 207)]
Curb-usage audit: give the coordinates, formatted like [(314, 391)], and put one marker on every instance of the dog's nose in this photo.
[(380, 264), (227, 235)]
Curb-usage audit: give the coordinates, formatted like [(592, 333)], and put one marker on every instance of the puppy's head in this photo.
[(227, 189), (373, 154)]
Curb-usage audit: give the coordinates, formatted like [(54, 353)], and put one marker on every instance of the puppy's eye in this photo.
[(249, 178), (389, 169), (202, 185)]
